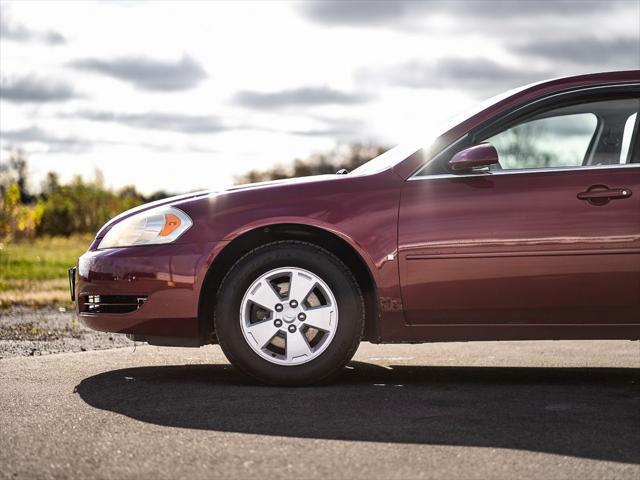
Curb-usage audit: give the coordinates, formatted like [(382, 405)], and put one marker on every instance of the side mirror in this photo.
[(477, 156)]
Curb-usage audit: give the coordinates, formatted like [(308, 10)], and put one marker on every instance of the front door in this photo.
[(537, 241)]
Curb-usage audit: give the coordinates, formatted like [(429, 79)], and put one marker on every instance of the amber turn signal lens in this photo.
[(171, 222)]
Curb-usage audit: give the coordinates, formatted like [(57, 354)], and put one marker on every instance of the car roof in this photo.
[(554, 85)]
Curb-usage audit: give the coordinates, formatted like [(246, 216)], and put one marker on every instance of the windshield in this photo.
[(400, 152)]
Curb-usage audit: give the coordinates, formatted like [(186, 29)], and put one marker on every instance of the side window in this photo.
[(557, 141), (591, 133), (594, 133)]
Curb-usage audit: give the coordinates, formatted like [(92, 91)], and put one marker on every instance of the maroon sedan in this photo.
[(522, 221)]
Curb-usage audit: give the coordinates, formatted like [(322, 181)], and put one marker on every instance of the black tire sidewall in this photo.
[(300, 255)]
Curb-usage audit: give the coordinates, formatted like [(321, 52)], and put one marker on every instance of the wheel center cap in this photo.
[(289, 316)]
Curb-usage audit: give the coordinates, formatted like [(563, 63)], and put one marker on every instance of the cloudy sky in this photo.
[(184, 95)]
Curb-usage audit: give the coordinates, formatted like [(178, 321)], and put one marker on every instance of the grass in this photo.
[(34, 272)]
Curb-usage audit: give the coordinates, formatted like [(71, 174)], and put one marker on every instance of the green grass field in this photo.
[(35, 272)]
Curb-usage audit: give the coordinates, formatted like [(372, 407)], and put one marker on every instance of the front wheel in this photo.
[(289, 313)]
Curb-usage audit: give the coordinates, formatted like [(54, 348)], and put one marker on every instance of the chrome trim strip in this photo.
[(537, 253), (526, 170)]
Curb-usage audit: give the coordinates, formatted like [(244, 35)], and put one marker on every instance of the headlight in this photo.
[(156, 226)]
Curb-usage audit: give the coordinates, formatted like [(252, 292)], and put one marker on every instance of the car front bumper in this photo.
[(147, 290)]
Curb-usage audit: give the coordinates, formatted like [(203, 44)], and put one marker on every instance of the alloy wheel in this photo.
[(288, 316)]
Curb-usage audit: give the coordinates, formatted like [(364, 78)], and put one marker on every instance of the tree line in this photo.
[(80, 206), (346, 157), (83, 206)]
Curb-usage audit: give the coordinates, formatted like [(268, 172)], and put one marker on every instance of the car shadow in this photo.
[(584, 412)]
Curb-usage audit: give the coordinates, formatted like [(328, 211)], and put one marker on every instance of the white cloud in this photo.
[(141, 121)]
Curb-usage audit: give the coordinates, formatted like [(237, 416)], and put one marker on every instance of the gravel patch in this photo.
[(27, 331)]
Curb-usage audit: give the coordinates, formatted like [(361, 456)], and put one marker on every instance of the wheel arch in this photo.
[(254, 237)]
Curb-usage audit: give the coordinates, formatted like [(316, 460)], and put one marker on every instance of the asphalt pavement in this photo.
[(461, 410)]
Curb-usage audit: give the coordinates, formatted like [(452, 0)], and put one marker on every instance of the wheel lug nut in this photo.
[(292, 328), (293, 303), (279, 307), (302, 317), (277, 322)]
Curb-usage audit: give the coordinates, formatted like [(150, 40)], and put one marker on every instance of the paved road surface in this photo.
[(477, 410)]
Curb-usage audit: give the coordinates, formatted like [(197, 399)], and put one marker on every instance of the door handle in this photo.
[(601, 194)]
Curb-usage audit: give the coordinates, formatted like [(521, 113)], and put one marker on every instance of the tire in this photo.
[(312, 341)]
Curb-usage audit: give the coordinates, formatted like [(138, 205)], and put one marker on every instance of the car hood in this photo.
[(285, 181), (203, 193)]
